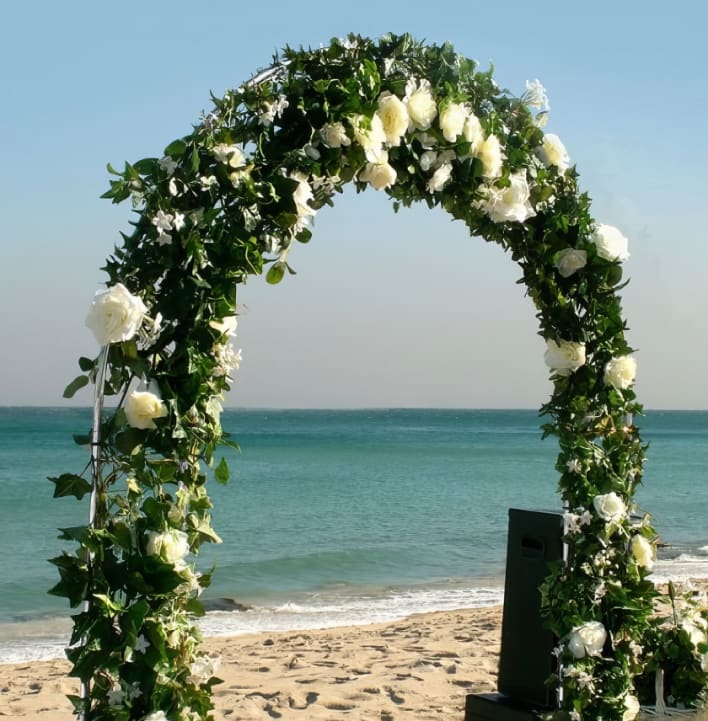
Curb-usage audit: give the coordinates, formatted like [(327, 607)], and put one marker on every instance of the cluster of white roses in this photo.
[(589, 640), (116, 315), (414, 115)]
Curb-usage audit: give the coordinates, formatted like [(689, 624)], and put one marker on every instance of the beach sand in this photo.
[(418, 668)]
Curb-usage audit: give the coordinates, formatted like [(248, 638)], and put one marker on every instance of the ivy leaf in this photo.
[(221, 473), (75, 385), (86, 364), (69, 484), (176, 148), (127, 441), (275, 273)]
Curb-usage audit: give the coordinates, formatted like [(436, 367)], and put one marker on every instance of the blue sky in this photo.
[(386, 310)]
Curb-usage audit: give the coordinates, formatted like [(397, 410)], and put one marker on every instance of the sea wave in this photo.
[(47, 638)]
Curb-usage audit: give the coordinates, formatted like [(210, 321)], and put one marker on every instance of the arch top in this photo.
[(422, 124)]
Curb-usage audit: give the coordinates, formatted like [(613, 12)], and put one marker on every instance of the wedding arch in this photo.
[(230, 200)]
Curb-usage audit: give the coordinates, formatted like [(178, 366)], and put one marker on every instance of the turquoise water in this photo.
[(340, 516)]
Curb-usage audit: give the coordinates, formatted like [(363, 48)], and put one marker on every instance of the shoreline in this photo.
[(421, 667)]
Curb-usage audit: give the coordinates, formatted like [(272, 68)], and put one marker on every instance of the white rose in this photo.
[(440, 177), (610, 507), (370, 138), (452, 121), (420, 104), (631, 705), (490, 153), (565, 357), (156, 716), (621, 372), (553, 152), (115, 315), (379, 175), (642, 551), (511, 204), (610, 243), (473, 132), (142, 408), (334, 135), (587, 639), (170, 546), (394, 118), (570, 260)]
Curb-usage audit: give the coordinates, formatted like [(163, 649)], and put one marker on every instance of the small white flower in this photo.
[(164, 239), (208, 181), (134, 691), (227, 359), (535, 95), (272, 110), (226, 326), (229, 155), (427, 160), (440, 178), (141, 644), (116, 696), (178, 221), (302, 195), (162, 221), (574, 465), (167, 164)]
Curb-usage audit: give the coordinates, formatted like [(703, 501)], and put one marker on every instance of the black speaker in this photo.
[(535, 539)]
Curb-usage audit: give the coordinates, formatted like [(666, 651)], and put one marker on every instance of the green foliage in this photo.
[(232, 198)]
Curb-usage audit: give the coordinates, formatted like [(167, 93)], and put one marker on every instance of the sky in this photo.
[(386, 310)]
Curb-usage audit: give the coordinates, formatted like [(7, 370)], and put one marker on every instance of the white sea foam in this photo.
[(47, 639), (681, 568)]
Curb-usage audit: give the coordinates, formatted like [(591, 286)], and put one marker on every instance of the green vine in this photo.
[(229, 201)]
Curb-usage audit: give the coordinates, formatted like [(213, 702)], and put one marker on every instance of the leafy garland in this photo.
[(229, 200)]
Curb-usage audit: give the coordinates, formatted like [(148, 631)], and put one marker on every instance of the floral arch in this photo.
[(231, 200)]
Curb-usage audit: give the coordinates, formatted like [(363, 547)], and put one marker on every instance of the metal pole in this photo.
[(96, 486)]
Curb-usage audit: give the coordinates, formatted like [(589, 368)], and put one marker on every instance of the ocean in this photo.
[(338, 517)]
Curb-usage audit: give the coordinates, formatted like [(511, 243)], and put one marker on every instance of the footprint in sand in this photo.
[(398, 700)]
